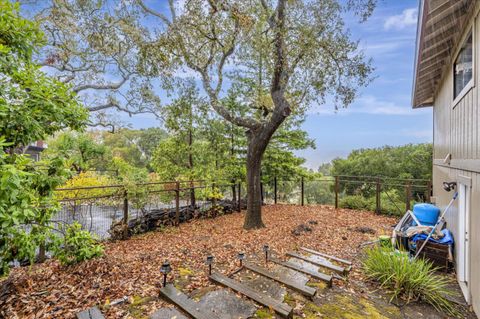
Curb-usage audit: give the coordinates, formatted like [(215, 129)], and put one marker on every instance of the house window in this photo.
[(463, 67)]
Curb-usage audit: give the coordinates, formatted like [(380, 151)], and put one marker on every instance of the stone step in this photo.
[(319, 263), (305, 290), (314, 274), (92, 313), (186, 304), (339, 260), (280, 308)]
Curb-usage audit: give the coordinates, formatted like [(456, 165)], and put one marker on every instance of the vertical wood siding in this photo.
[(456, 131), (456, 128)]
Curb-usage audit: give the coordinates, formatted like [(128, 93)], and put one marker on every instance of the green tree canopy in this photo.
[(411, 161), (81, 149), (32, 104), (136, 147)]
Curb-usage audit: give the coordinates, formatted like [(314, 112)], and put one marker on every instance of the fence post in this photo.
[(378, 206), (302, 191), (408, 190), (125, 213), (429, 192), (214, 199), (275, 190), (177, 203), (239, 196), (336, 191)]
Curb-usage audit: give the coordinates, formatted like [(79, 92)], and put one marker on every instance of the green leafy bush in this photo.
[(357, 202), (79, 245), (410, 279), (390, 203)]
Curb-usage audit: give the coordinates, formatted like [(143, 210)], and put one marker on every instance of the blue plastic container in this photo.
[(427, 214)]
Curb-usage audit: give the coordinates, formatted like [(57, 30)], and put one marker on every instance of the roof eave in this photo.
[(420, 27)]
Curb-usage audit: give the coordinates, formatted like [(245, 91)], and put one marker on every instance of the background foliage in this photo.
[(32, 107)]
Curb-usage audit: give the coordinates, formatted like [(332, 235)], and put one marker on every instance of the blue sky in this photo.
[(382, 115)]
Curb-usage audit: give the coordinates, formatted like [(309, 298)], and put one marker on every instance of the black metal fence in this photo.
[(96, 208), (391, 196)]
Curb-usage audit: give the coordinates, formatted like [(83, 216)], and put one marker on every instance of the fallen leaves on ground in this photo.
[(132, 268)]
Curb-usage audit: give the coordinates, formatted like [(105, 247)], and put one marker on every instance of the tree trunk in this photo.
[(234, 191), (42, 255), (256, 148)]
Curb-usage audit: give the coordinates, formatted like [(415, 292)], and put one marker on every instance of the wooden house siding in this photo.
[(457, 132)]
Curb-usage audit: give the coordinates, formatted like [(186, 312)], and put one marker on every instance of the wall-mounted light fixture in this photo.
[(448, 186)]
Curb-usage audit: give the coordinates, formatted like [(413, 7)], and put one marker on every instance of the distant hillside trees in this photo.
[(394, 165), (411, 161)]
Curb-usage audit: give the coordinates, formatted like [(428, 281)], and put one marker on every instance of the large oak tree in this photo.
[(293, 53)]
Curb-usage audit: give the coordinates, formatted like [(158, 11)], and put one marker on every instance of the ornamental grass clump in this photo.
[(408, 279)]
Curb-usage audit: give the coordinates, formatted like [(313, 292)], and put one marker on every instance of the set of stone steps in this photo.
[(307, 262), (267, 288)]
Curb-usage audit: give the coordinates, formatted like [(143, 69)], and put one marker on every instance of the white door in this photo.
[(462, 240)]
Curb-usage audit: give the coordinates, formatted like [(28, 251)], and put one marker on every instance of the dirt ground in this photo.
[(131, 269)]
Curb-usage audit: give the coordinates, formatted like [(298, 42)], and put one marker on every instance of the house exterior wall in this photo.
[(457, 132)]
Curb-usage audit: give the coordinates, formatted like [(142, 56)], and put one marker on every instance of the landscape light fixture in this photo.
[(209, 262), (448, 186), (241, 257), (165, 270), (265, 250)]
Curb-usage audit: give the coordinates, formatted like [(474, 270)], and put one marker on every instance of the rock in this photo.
[(151, 219), (227, 305), (365, 230), (267, 286), (167, 313), (292, 274), (302, 228), (313, 222)]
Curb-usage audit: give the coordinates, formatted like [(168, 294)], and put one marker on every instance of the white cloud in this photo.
[(368, 104), (371, 105), (404, 20)]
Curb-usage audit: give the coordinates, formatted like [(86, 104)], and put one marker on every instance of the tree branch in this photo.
[(102, 124), (109, 86), (114, 104), (279, 54), (153, 12)]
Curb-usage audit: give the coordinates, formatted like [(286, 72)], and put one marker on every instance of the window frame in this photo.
[(471, 84)]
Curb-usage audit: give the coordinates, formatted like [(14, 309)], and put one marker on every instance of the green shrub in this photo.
[(355, 202), (390, 203), (79, 245), (410, 279)]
